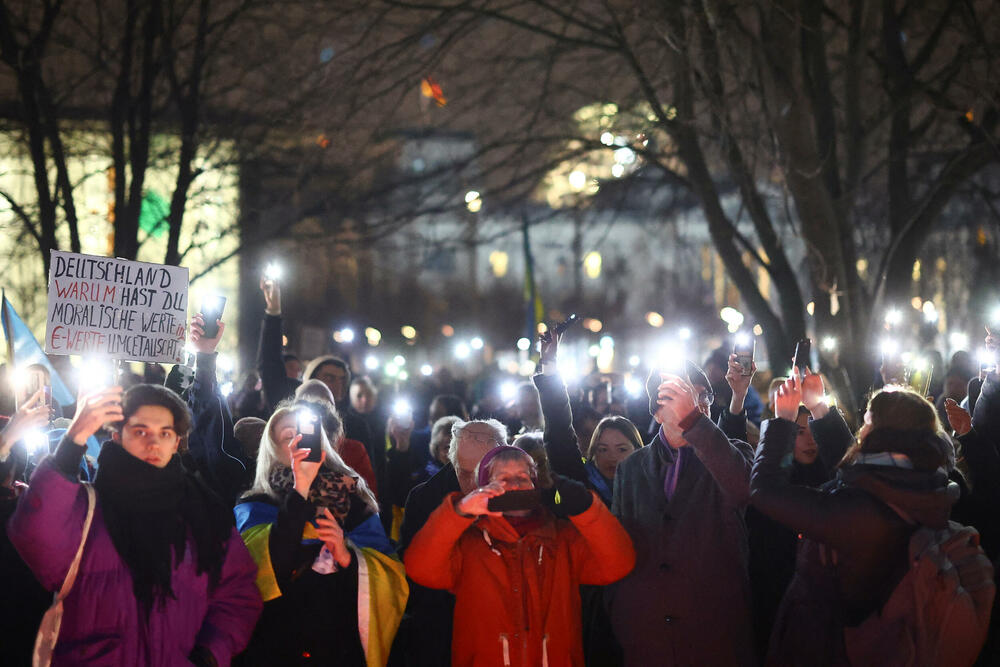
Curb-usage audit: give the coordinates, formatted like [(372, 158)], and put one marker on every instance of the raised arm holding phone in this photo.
[(212, 445), (162, 570)]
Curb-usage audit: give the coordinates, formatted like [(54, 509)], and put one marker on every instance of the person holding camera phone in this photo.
[(212, 447), (515, 560), (682, 498), (164, 579), (333, 588), (332, 371)]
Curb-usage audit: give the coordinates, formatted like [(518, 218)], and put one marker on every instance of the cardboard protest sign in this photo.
[(116, 308)]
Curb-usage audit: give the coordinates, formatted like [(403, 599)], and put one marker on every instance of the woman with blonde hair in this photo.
[(333, 589)]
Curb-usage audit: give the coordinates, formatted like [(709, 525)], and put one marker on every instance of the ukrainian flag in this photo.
[(382, 587)]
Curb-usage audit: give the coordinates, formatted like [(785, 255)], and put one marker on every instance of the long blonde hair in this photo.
[(267, 459)]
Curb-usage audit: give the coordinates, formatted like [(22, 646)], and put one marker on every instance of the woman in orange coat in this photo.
[(516, 574)]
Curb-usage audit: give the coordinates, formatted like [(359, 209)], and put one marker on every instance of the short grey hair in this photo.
[(458, 429)]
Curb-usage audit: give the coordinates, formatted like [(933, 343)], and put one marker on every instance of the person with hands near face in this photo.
[(856, 532), (334, 372), (773, 545), (314, 531), (681, 499), (33, 414), (526, 559), (162, 567), (327, 529)]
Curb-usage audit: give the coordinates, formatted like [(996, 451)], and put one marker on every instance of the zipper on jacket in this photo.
[(505, 646)]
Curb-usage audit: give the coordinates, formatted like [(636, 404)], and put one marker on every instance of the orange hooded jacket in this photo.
[(517, 599)]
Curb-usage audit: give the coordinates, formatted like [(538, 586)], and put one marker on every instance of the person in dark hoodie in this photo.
[(856, 534)]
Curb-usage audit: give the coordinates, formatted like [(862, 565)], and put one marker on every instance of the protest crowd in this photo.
[(309, 517)]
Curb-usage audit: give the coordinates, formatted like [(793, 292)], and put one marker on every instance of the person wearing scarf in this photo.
[(333, 589), (164, 578), (516, 575), (856, 530)]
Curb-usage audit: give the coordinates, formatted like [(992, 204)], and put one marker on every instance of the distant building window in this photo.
[(498, 262)]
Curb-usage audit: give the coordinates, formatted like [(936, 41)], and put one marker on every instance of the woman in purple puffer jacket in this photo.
[(164, 577)]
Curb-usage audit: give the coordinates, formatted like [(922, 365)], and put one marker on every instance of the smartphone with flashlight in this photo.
[(566, 324), (803, 354), (515, 501), (272, 272), (744, 347), (211, 309), (36, 379), (403, 413), (96, 374), (309, 429)]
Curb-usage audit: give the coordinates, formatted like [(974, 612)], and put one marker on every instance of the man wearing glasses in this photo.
[(682, 499)]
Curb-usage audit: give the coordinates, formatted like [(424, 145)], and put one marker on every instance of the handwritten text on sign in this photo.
[(116, 308)]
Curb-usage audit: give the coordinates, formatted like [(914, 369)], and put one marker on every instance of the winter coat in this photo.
[(773, 546), (102, 622), (854, 550), (690, 587), (517, 598), (981, 450)]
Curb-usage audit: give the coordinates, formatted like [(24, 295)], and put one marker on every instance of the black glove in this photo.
[(567, 497)]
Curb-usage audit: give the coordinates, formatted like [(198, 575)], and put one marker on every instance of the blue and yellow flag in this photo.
[(534, 312), (382, 586)]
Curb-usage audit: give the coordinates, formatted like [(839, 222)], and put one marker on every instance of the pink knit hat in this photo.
[(483, 469)]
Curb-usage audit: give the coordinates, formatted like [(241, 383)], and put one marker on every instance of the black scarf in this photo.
[(149, 512), (331, 489)]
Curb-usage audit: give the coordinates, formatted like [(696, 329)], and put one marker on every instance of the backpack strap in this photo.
[(48, 631), (74, 567)]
